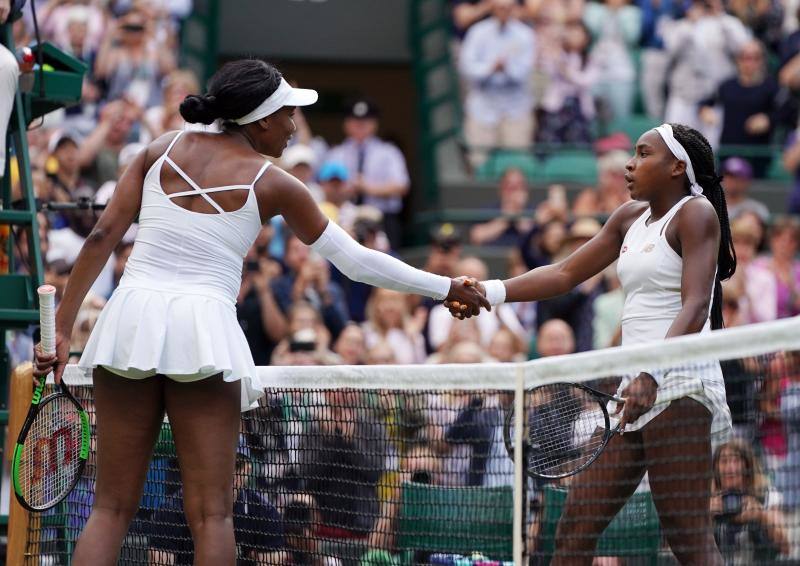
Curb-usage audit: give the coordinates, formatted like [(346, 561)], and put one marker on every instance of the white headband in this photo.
[(665, 130), (284, 95)]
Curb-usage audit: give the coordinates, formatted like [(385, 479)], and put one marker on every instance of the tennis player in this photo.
[(168, 339), (673, 246)]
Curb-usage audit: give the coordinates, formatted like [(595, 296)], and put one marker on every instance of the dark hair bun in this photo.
[(199, 109)]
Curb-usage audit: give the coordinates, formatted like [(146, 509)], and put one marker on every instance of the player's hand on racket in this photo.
[(640, 396), (466, 298), (44, 363)]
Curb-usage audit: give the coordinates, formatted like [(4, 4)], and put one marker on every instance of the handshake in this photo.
[(467, 296)]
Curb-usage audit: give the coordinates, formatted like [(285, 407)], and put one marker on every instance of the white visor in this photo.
[(284, 95)]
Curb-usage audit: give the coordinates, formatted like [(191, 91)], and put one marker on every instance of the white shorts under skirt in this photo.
[(185, 336)]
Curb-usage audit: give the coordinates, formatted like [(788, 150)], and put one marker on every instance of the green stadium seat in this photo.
[(577, 166), (500, 160), (634, 126), (635, 531), (457, 520), (776, 171)]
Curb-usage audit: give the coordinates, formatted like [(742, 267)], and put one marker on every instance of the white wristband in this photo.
[(495, 291)]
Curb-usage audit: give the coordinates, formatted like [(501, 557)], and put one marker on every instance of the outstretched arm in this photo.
[(281, 193)]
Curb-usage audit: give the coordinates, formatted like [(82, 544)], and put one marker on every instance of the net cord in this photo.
[(725, 344)]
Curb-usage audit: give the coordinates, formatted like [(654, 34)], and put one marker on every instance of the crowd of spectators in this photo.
[(533, 71)]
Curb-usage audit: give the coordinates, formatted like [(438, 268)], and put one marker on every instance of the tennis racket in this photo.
[(53, 444), (569, 426)]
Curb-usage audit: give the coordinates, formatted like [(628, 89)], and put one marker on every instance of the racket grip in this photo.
[(47, 317)]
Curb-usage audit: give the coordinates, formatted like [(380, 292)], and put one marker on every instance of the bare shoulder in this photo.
[(158, 147), (698, 212), (625, 215)]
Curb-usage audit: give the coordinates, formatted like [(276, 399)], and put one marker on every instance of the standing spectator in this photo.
[(377, 168), (336, 192), (98, 153), (738, 177), (701, 48), (131, 62), (763, 17), (567, 106), (791, 162), (615, 28), (496, 62), (655, 60), (445, 251), (513, 220), (749, 105), (161, 119)]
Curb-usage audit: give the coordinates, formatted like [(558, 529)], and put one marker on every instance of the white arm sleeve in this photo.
[(376, 268)]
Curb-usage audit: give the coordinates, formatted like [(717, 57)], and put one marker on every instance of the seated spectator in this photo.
[(131, 62), (784, 267), (351, 345), (301, 517), (337, 194), (63, 170), (606, 324), (378, 171), (577, 306), (555, 338), (611, 191), (258, 526), (615, 27), (567, 107), (748, 103), (301, 161), (504, 347), (701, 46), (308, 278), (485, 326), (749, 283), (738, 177), (307, 340), (748, 526), (496, 62), (513, 220), (164, 118), (788, 477), (389, 319)]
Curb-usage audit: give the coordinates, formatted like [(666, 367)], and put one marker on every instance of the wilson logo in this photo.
[(49, 453)]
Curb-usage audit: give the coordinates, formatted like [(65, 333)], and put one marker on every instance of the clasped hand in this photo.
[(466, 298)]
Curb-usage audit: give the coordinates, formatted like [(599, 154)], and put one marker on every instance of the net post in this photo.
[(519, 473), (20, 399)]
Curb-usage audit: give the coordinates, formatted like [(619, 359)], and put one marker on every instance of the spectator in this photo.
[(131, 62), (555, 338), (738, 177), (64, 173), (791, 162), (307, 340), (377, 168), (504, 347), (302, 518), (611, 191), (161, 119), (748, 526), (351, 345), (485, 325), (606, 324), (381, 354), (445, 251), (749, 106), (98, 154), (544, 239), (301, 161), (701, 47), (567, 107), (781, 263), (513, 219), (308, 278), (763, 17), (261, 319), (496, 62), (751, 285), (337, 194), (788, 477), (615, 27), (389, 319), (655, 60)]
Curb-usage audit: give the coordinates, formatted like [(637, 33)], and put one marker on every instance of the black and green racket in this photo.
[(53, 444)]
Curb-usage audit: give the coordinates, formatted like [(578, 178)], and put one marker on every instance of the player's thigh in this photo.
[(678, 454), (205, 419), (129, 415), (597, 493)]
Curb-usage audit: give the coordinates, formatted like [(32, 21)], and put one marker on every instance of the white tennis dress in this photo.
[(650, 273), (174, 311)]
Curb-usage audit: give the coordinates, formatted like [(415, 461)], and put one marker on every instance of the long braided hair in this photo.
[(702, 157)]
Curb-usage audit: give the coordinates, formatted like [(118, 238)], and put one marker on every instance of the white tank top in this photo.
[(650, 272), (191, 252)]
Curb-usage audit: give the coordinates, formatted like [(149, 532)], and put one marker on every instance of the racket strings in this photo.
[(50, 459), (565, 429)]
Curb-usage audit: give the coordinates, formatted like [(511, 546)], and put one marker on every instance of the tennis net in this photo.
[(352, 465)]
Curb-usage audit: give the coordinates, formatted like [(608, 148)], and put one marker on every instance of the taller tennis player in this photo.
[(168, 339)]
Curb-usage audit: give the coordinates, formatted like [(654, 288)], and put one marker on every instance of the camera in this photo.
[(731, 503), (303, 341)]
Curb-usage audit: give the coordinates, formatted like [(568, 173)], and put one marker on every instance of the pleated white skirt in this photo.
[(181, 335)]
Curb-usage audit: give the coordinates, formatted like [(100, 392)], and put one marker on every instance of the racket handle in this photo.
[(47, 317)]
